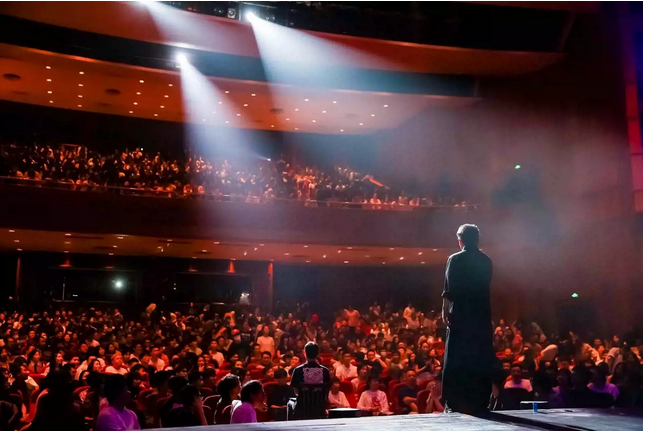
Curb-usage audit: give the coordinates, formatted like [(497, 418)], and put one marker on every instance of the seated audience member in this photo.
[(434, 402), (176, 385), (561, 392), (252, 397), (134, 384), (155, 360), (582, 396), (337, 399), (517, 380), (599, 383), (191, 412), (266, 363), (408, 393), (20, 374), (228, 388), (346, 369), (57, 410), (363, 373), (375, 363), (117, 365), (373, 399), (209, 379), (280, 395), (116, 417)]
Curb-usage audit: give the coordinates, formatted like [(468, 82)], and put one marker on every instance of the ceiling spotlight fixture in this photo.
[(288, 118), (313, 121), (373, 115), (245, 105), (423, 263), (51, 102), (306, 100), (385, 106), (19, 249), (120, 237), (16, 240), (81, 85), (335, 102), (297, 109), (49, 79), (297, 129), (286, 254), (346, 261), (339, 251), (361, 124), (253, 94), (131, 112), (239, 114), (227, 121), (227, 91), (138, 93), (391, 249), (324, 256), (401, 258), (220, 102), (272, 126), (155, 115), (420, 253), (324, 111), (48, 67), (80, 72), (141, 81), (111, 254), (49, 91), (134, 103), (255, 248), (79, 105), (80, 96), (166, 96), (162, 106), (12, 231), (342, 130), (171, 85)]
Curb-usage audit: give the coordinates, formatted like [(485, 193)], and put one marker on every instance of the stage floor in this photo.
[(552, 419)]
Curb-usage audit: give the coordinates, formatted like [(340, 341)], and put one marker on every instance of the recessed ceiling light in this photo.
[(342, 130), (297, 129), (227, 91), (141, 81), (49, 91), (297, 109), (193, 257), (138, 93), (245, 105), (170, 240), (373, 115), (367, 256), (420, 253), (245, 253), (272, 126), (114, 246), (239, 114), (227, 121), (111, 254), (384, 263), (324, 256), (49, 79), (253, 94), (79, 105), (80, 72), (134, 103), (313, 121), (166, 96), (162, 106), (308, 261), (306, 246), (349, 248), (171, 85), (217, 242), (346, 261), (66, 252), (391, 249), (286, 254), (130, 112), (16, 240), (203, 251), (120, 237), (155, 115), (324, 111), (262, 245), (255, 248), (48, 67), (220, 102), (288, 118), (203, 120), (68, 234), (434, 249), (361, 124), (51, 102), (385, 106), (19, 249), (335, 102), (12, 231), (306, 100), (339, 251), (401, 258), (80, 96), (80, 85), (423, 263)]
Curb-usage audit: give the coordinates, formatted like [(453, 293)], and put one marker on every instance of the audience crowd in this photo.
[(67, 370), (258, 181)]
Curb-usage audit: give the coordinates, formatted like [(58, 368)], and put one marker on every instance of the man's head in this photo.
[(371, 355), (209, 377), (516, 372), (411, 378), (347, 358), (311, 350), (281, 376), (362, 372), (266, 358), (115, 391), (507, 366), (468, 235), (335, 385), (117, 361)]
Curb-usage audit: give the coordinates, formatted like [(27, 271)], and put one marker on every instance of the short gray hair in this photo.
[(469, 234)]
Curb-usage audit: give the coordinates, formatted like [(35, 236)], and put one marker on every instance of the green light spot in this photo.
[(517, 167), (574, 295)]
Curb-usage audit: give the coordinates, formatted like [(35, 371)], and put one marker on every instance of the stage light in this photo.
[(119, 284), (181, 58), (268, 159), (249, 16), (517, 167)]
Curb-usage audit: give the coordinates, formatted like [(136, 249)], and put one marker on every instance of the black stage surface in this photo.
[(551, 419)]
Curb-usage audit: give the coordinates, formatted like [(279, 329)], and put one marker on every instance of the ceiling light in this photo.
[(349, 248), (130, 112), (306, 100), (297, 129), (80, 72), (262, 245), (385, 106), (48, 67), (162, 106), (361, 124), (16, 240), (79, 105), (203, 251), (111, 254), (423, 263), (335, 102), (253, 94), (49, 79), (19, 249), (324, 111), (227, 91), (286, 254), (245, 253), (120, 237), (66, 252), (288, 118), (51, 102), (297, 109), (220, 102), (346, 261), (68, 234), (342, 130), (12, 231), (308, 261), (384, 263), (227, 121), (170, 240), (306, 246), (324, 256), (114, 246), (272, 126), (80, 96), (49, 91), (155, 115), (138, 93), (313, 121), (245, 105), (134, 103), (141, 81), (401, 258), (193, 257), (216, 243), (373, 115), (434, 249), (339, 251), (255, 248), (81, 85), (171, 85), (239, 114), (166, 96), (420, 253)]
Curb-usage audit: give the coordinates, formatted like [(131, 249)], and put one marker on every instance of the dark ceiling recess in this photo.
[(113, 92), (11, 77)]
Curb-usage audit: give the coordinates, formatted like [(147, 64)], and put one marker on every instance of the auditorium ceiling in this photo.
[(49, 79), (23, 241)]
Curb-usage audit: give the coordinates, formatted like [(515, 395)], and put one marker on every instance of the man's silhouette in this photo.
[(469, 358)]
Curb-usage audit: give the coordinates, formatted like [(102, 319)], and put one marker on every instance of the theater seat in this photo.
[(422, 397)]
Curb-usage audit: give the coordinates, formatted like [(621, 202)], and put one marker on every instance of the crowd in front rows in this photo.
[(65, 370), (255, 181)]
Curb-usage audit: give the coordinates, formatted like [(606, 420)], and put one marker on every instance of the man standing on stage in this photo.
[(469, 358)]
